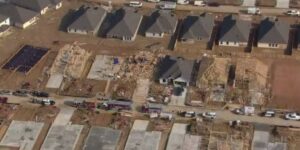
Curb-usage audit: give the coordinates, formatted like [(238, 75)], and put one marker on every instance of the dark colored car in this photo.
[(40, 94), (213, 4)]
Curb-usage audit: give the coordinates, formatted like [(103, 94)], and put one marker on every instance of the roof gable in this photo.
[(17, 14), (162, 22), (90, 19), (172, 67), (195, 27), (273, 31), (126, 23), (235, 30), (35, 5)]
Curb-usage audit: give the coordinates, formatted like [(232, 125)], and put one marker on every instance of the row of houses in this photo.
[(195, 28), (23, 13)]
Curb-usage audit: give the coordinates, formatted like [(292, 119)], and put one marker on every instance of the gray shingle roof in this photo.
[(172, 67), (35, 5), (17, 14), (162, 22), (196, 27), (126, 23), (55, 2), (90, 19), (273, 31), (234, 30)]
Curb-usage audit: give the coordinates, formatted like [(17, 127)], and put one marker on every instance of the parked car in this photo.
[(268, 113), (213, 4), (5, 92), (188, 114), (136, 4), (209, 115), (40, 94), (246, 110), (21, 93), (293, 12), (199, 3), (292, 116)]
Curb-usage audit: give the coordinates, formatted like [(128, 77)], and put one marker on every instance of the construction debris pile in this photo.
[(124, 89), (120, 122), (7, 111), (140, 65), (159, 93), (213, 71), (70, 61), (46, 114)]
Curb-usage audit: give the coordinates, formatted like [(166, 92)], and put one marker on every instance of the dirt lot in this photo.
[(266, 3), (285, 84)]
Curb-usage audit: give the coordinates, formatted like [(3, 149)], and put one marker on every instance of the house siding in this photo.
[(155, 35), (77, 31), (5, 22), (233, 44), (271, 45), (26, 24), (43, 11)]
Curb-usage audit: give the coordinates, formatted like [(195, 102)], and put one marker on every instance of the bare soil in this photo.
[(285, 84)]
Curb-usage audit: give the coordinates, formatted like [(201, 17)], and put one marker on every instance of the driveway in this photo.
[(141, 91), (249, 3), (282, 3)]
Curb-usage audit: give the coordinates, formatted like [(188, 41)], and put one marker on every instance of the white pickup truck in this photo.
[(293, 12)]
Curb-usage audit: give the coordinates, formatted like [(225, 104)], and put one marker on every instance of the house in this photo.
[(273, 34), (56, 4), (40, 6), (19, 17), (161, 22), (234, 32), (89, 21), (4, 20), (125, 25), (197, 28), (177, 71)]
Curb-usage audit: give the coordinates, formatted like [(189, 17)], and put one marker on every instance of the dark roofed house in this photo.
[(161, 22), (19, 16), (177, 71), (273, 34), (40, 6), (125, 25), (89, 21), (197, 28), (234, 32)]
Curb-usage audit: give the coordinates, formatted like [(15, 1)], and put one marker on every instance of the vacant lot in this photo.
[(285, 83)]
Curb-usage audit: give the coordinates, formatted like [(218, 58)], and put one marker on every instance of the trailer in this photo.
[(183, 2), (117, 104), (83, 104), (152, 108), (43, 101)]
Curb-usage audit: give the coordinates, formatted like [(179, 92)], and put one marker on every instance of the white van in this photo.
[(135, 4)]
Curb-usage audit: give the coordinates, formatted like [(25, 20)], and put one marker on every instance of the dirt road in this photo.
[(222, 115), (223, 9)]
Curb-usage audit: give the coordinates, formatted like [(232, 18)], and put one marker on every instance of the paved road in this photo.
[(224, 9)]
